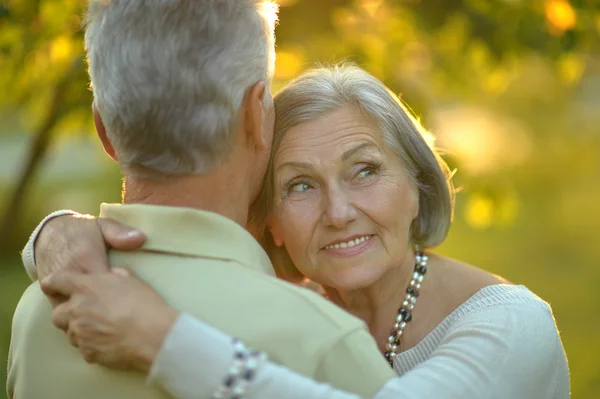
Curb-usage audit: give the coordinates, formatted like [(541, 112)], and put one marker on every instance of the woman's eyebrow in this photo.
[(347, 154), (297, 165)]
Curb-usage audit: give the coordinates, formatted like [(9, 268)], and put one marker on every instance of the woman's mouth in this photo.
[(351, 247)]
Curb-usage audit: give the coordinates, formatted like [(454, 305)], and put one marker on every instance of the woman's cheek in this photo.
[(298, 223)]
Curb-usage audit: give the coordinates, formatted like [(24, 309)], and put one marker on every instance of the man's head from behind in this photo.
[(178, 83)]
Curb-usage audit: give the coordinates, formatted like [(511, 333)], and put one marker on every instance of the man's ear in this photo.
[(275, 230), (255, 115), (101, 130)]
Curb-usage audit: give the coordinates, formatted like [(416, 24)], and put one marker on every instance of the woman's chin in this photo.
[(350, 278)]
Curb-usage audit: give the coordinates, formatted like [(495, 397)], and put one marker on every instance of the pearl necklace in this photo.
[(404, 313)]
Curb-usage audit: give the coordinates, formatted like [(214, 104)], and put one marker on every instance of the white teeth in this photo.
[(348, 244)]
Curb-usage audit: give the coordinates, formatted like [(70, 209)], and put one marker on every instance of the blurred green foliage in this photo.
[(511, 89)]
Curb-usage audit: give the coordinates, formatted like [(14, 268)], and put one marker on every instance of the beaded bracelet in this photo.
[(241, 373)]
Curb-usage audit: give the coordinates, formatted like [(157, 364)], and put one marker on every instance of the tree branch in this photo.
[(37, 152)]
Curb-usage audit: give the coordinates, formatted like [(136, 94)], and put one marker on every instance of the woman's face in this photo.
[(343, 201)]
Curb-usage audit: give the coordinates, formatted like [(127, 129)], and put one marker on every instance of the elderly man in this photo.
[(182, 103)]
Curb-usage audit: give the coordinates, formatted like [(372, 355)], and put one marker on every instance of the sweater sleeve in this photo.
[(28, 254), (496, 352)]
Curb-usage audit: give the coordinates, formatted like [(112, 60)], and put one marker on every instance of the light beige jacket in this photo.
[(211, 267)]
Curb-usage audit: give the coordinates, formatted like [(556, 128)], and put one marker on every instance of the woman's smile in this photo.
[(349, 247)]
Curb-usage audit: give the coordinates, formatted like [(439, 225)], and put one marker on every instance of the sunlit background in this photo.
[(511, 89)]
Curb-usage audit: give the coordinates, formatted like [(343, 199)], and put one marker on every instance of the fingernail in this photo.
[(121, 272), (131, 234)]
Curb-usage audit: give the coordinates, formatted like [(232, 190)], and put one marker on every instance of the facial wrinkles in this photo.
[(321, 146), (314, 141)]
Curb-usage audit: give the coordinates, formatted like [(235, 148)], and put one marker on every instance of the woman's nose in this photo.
[(339, 210)]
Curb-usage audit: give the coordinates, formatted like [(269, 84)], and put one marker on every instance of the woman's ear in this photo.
[(275, 229), (417, 208), (417, 201)]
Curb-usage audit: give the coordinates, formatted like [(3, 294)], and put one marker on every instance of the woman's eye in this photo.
[(366, 172), (298, 188)]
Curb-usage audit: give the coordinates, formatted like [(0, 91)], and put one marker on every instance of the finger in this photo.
[(119, 236), (73, 337), (122, 272), (57, 300), (60, 316), (61, 284)]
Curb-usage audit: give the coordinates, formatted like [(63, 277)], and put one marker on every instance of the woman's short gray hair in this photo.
[(322, 91), (169, 76)]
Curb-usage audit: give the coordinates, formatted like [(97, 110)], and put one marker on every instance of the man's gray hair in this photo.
[(321, 91), (169, 77)]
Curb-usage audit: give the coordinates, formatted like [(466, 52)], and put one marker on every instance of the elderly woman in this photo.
[(355, 196)]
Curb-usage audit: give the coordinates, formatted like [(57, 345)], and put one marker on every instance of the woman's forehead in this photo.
[(335, 131)]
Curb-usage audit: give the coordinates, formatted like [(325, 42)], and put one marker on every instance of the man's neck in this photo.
[(220, 193)]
